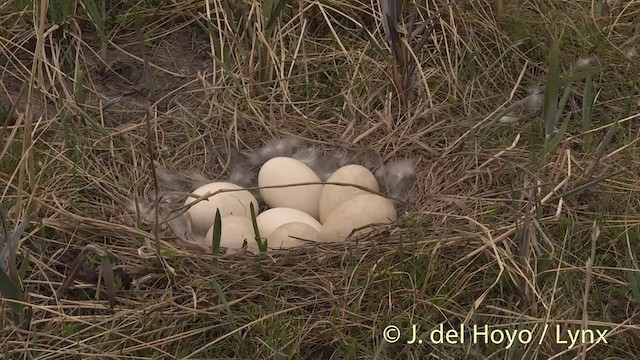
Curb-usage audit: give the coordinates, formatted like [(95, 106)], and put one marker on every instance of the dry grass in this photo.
[(501, 234)]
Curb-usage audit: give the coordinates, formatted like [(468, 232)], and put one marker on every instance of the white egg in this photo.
[(358, 212), (281, 238), (229, 203), (271, 219), (287, 171), (333, 196), (235, 230)]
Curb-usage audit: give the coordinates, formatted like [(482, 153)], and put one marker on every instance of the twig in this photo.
[(591, 183), (154, 178)]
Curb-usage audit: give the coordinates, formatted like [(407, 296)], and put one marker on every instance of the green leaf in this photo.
[(217, 232), (276, 13)]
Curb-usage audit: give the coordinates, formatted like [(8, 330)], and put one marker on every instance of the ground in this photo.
[(529, 235)]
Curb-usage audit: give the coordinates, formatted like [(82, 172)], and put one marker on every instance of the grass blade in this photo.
[(557, 138), (109, 280), (551, 90), (221, 54), (633, 275), (561, 104), (72, 275), (78, 85), (587, 112), (10, 281), (96, 14), (267, 8), (10, 290), (11, 243), (262, 246), (223, 298), (579, 75), (395, 42), (635, 73), (217, 232), (634, 281), (389, 16), (602, 147), (148, 77), (276, 13), (22, 271)]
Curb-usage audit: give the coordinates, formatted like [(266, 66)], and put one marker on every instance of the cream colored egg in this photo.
[(235, 230), (271, 219), (287, 171), (281, 238), (229, 203), (360, 211), (332, 196)]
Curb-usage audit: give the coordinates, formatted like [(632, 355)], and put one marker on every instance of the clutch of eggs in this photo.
[(297, 215)]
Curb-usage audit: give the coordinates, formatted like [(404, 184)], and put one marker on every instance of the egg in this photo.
[(287, 171), (229, 203), (358, 212), (332, 196), (281, 238), (235, 230), (271, 219)]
